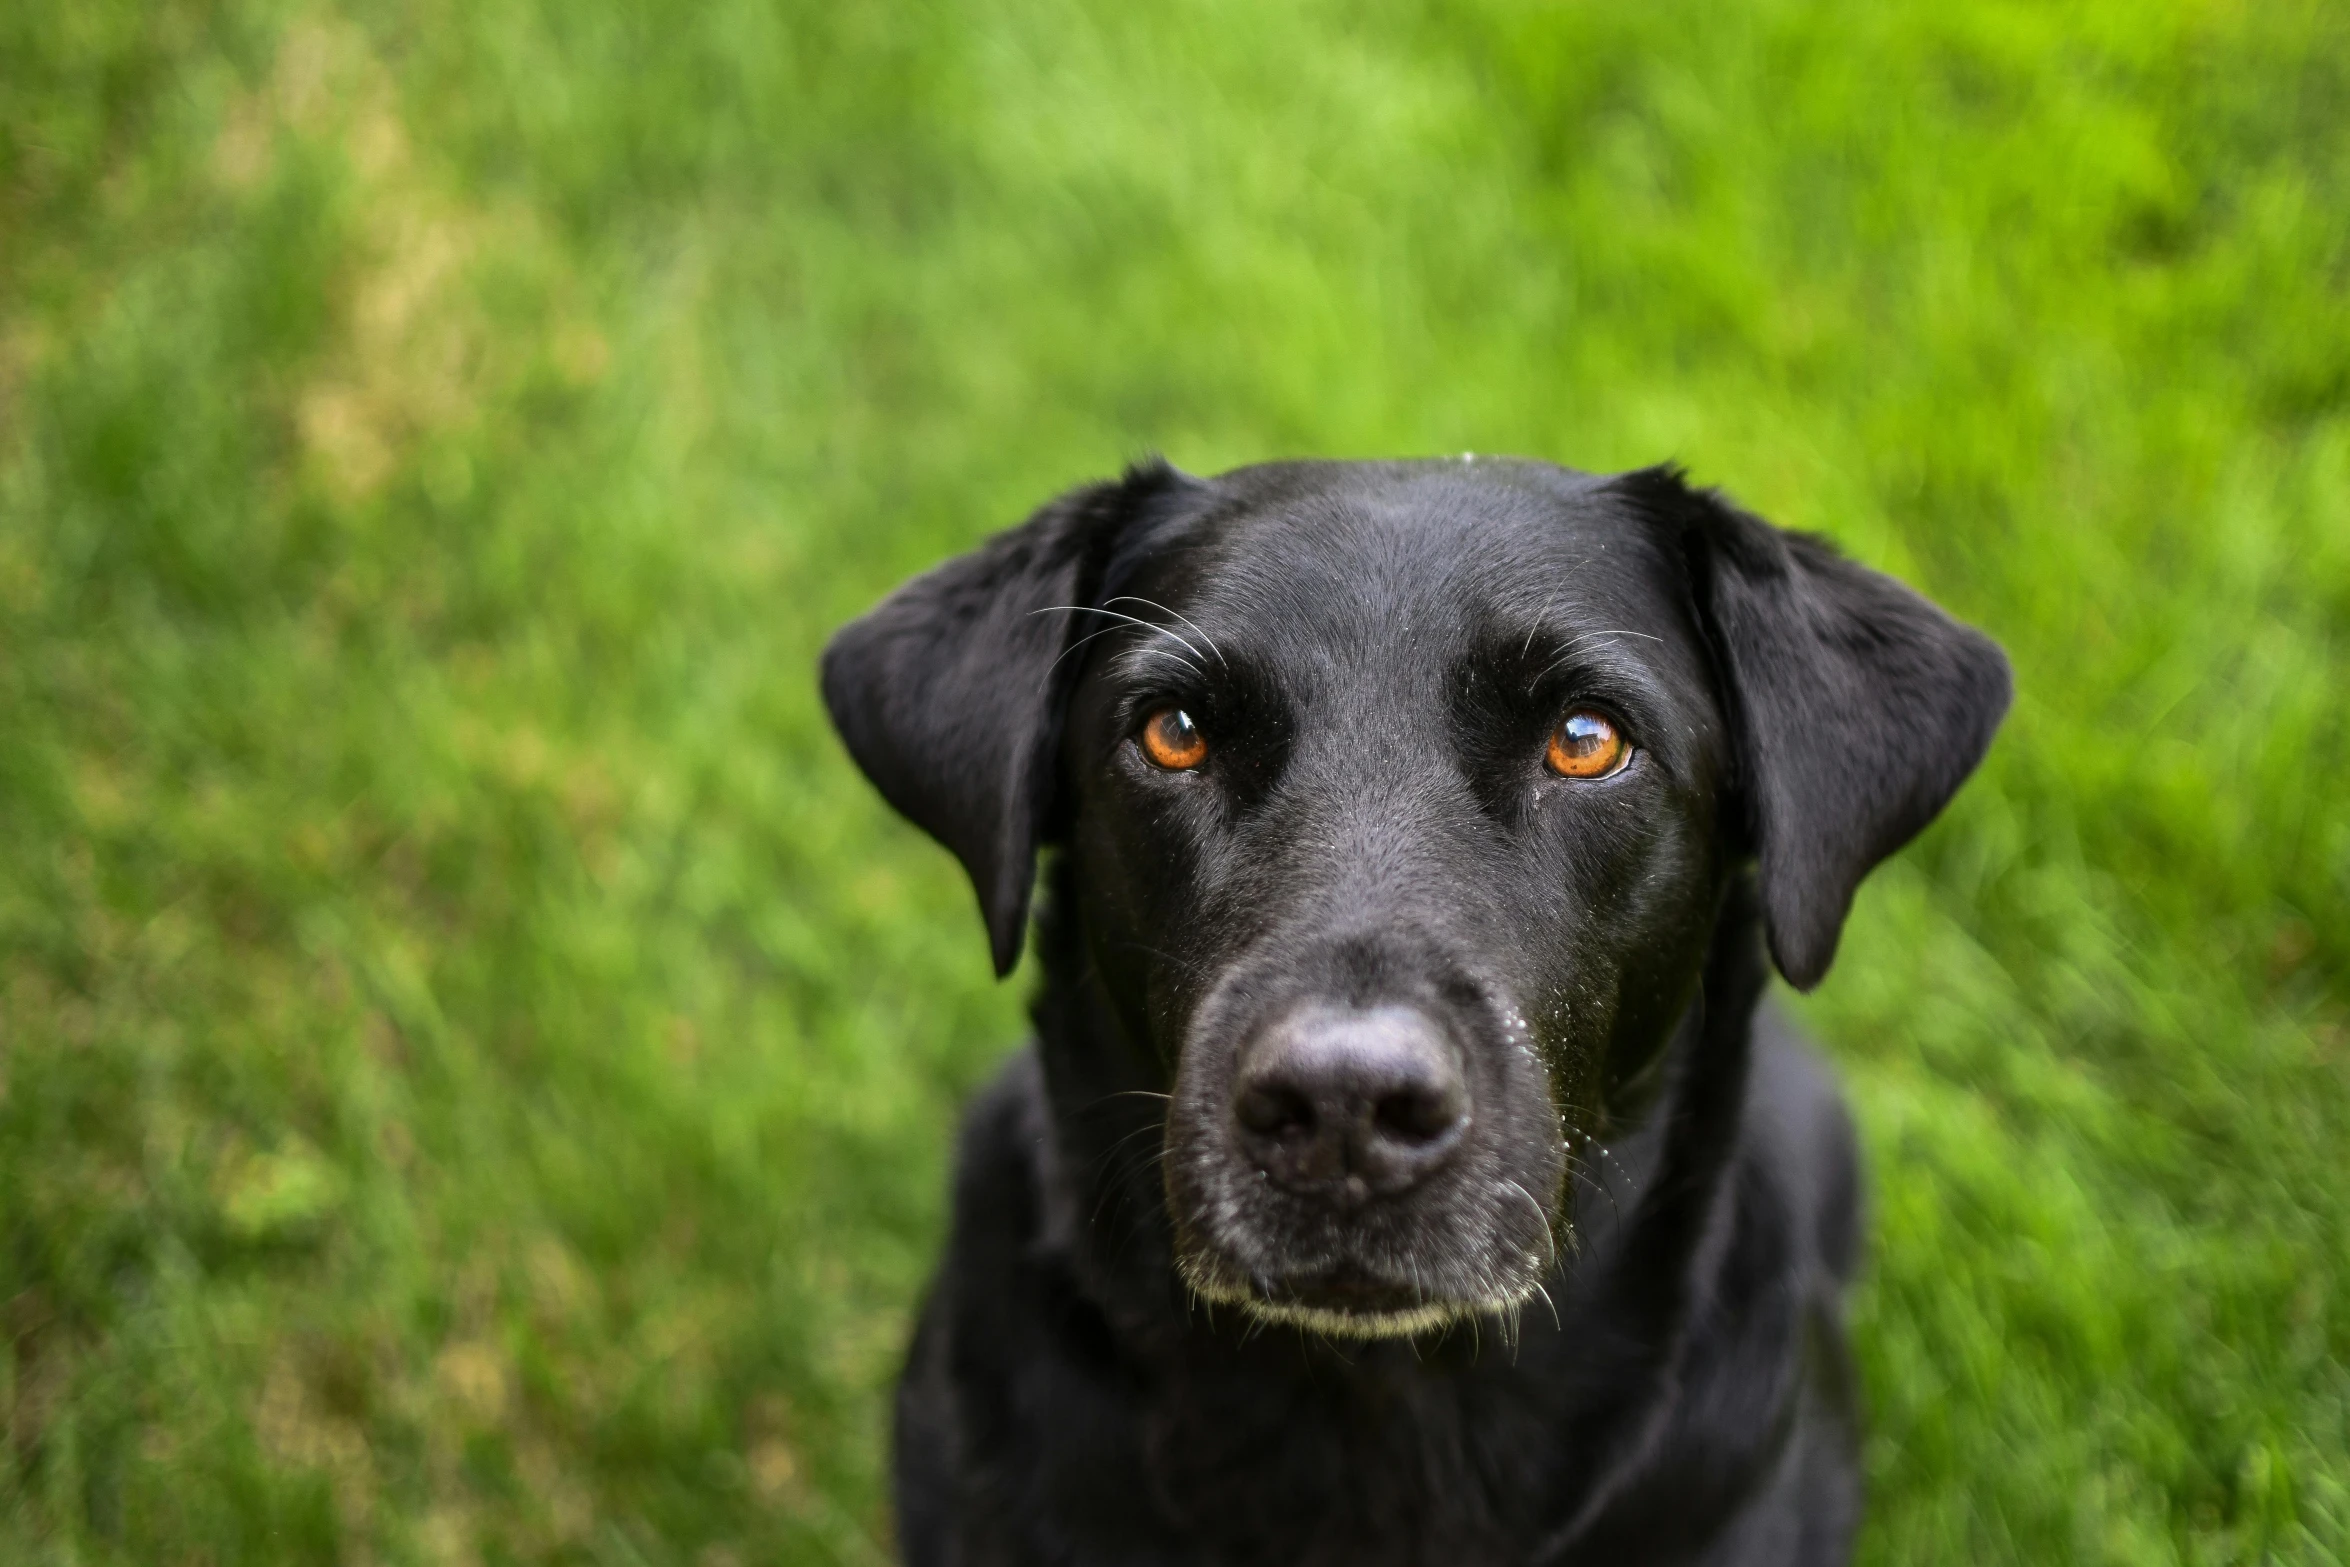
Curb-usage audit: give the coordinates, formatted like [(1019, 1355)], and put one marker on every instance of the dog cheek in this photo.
[(1540, 1125), (1145, 880), (1494, 1231), (1621, 954), (1567, 1032), (1201, 1160)]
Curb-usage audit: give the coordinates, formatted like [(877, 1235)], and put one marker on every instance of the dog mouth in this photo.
[(1345, 1299), (1365, 1168)]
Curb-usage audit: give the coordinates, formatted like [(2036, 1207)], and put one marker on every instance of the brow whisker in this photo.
[(1132, 620), (1535, 629), (1567, 650), (1106, 630), (1136, 598), (1151, 650), (1528, 650)]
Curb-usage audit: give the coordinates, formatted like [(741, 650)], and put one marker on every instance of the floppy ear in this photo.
[(1858, 706), (948, 696)]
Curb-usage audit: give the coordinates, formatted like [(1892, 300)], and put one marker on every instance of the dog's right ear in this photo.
[(948, 693)]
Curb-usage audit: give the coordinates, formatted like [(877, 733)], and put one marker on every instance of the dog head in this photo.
[(1399, 800)]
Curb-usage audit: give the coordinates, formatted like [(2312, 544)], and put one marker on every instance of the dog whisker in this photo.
[(1152, 650), (1135, 598), (1568, 648), (1187, 965), (1132, 620), (1074, 646), (1535, 629), (1128, 1093), (1553, 1305), (1541, 1220)]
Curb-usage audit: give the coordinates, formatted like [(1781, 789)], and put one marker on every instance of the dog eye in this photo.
[(1586, 745), (1171, 740)]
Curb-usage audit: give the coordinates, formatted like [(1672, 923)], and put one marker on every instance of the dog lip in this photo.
[(1346, 1288)]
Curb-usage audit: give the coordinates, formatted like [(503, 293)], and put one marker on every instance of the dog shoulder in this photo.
[(1015, 1401), (998, 1166), (993, 1214)]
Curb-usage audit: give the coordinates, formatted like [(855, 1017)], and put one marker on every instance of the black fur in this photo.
[(1605, 1324)]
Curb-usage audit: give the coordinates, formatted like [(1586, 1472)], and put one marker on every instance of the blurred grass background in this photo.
[(476, 1065)]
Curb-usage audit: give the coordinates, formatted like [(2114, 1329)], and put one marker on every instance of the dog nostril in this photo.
[(1274, 1110), (1420, 1113), (1341, 1101)]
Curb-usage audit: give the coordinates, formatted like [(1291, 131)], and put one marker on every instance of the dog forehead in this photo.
[(1355, 552)]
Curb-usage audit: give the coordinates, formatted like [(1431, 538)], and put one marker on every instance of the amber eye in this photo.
[(1171, 740), (1586, 745)]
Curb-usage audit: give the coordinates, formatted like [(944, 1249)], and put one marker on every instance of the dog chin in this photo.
[(1215, 1284)]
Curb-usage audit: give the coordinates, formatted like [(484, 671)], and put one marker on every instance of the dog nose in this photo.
[(1351, 1103)]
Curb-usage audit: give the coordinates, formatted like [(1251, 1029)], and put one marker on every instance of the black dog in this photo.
[(1403, 1171)]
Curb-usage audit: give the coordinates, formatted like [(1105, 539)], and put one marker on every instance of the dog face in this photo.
[(1399, 800), (1385, 920)]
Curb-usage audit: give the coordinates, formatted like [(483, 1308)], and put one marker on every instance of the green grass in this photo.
[(476, 1064)]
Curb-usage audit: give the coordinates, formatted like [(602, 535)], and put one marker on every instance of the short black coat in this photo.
[(1674, 1387)]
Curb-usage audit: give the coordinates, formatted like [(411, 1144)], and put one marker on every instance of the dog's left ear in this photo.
[(1858, 706), (948, 693)]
